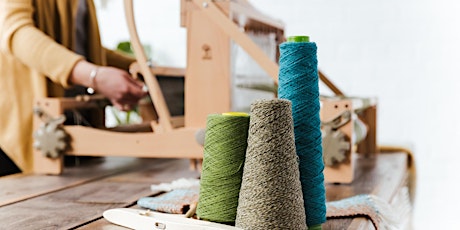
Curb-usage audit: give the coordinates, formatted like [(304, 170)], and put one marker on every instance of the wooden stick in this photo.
[(329, 84), (154, 88)]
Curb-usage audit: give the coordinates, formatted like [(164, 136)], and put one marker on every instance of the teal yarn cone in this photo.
[(298, 82), (271, 193), (223, 160)]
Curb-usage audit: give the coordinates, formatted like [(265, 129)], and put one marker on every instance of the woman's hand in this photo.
[(117, 85)]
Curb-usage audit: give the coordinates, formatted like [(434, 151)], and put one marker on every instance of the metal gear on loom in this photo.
[(335, 144), (50, 137)]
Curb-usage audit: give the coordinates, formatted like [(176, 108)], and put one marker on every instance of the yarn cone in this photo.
[(271, 194), (298, 82), (223, 160)]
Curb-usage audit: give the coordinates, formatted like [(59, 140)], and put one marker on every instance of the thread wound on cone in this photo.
[(223, 160), (298, 82), (271, 195)]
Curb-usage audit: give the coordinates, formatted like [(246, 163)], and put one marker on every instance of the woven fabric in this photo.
[(370, 206), (177, 201)]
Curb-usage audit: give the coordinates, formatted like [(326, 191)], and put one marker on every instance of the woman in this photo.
[(46, 47)]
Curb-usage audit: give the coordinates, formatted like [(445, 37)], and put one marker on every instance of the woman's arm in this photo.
[(21, 39), (114, 83), (118, 59)]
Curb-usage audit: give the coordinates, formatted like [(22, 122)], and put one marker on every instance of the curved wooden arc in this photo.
[(150, 79)]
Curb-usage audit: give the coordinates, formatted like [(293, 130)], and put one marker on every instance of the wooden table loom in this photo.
[(215, 29), (211, 27)]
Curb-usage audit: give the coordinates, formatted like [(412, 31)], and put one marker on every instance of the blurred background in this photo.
[(405, 53)]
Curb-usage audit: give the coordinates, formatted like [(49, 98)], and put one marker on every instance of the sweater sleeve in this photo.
[(21, 39), (118, 59)]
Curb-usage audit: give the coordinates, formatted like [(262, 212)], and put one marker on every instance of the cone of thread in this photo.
[(298, 82), (271, 195), (223, 160)]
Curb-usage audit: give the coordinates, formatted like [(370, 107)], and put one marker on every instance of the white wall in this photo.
[(404, 52), (158, 26)]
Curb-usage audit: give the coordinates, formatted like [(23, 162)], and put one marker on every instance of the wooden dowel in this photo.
[(329, 84), (150, 79)]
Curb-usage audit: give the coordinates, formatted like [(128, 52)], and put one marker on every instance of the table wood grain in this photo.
[(77, 198)]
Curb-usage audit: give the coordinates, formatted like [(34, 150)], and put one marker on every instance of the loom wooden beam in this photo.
[(235, 33), (154, 87), (329, 84), (369, 145), (178, 143), (42, 164), (134, 68)]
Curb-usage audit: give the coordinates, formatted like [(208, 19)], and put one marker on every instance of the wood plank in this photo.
[(19, 187), (159, 70), (208, 83), (177, 143), (383, 176), (369, 146), (375, 177), (80, 206), (75, 206)]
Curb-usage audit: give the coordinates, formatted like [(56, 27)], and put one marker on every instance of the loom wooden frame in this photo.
[(208, 22), (167, 140)]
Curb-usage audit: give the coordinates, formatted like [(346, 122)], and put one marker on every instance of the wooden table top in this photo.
[(77, 198)]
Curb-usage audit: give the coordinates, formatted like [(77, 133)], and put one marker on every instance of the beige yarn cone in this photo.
[(271, 193)]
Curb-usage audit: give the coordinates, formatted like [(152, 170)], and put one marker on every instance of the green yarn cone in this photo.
[(224, 152)]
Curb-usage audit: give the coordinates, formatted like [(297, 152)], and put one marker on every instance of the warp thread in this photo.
[(223, 160), (298, 82), (271, 194)]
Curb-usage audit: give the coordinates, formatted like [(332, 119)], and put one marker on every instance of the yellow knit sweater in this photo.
[(34, 65)]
